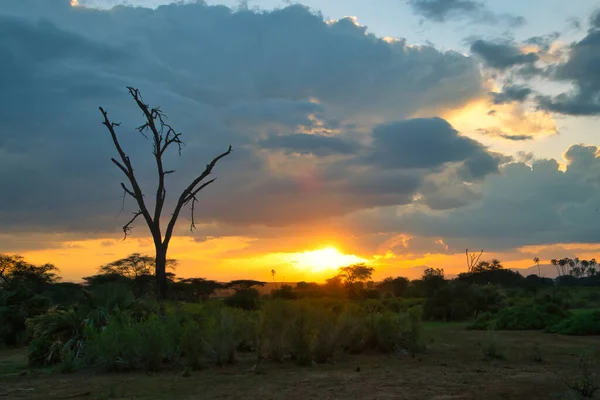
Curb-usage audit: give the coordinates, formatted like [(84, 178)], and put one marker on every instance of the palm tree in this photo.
[(554, 262), (537, 261)]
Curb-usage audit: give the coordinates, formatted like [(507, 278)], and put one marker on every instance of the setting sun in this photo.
[(322, 260)]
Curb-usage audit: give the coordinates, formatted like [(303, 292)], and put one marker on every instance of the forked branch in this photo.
[(127, 226)]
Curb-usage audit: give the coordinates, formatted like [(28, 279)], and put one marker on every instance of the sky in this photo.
[(393, 132)]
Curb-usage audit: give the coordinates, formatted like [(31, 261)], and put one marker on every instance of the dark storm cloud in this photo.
[(429, 143), (243, 78), (501, 55), (581, 69), (475, 11), (511, 93), (521, 206)]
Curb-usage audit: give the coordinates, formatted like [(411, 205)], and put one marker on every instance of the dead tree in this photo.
[(163, 136), (472, 260)]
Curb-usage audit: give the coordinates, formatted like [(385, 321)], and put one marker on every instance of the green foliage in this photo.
[(226, 331), (585, 322), (116, 347), (53, 333), (191, 343), (459, 301), (522, 317)]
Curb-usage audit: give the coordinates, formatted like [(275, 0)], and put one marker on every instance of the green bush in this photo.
[(327, 335), (191, 343), (522, 317), (580, 323), (275, 320), (225, 332), (158, 341), (116, 347)]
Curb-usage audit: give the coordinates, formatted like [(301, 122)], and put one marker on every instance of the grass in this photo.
[(452, 368)]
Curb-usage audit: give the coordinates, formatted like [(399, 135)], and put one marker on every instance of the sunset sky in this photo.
[(393, 132)]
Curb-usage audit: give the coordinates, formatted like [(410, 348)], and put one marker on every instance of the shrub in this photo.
[(246, 299), (116, 347), (522, 317), (224, 334), (52, 333), (301, 337), (354, 337), (157, 341), (581, 323), (327, 335), (275, 320), (285, 292), (16, 306), (191, 343)]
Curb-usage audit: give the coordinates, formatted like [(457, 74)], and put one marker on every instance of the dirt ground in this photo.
[(452, 368)]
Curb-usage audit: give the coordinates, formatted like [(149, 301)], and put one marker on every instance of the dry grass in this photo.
[(453, 368)]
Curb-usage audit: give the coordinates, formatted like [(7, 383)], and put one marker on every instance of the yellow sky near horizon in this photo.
[(215, 259)]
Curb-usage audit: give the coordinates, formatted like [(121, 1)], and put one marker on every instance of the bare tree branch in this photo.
[(192, 190), (127, 169), (127, 226), (129, 192)]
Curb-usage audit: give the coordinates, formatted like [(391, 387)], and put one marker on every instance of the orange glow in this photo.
[(322, 260), (74, 3)]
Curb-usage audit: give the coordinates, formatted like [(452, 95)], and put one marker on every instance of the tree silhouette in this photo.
[(163, 136), (133, 266), (536, 260)]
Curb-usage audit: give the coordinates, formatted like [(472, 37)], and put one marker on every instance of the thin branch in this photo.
[(129, 192), (195, 192), (192, 224), (192, 190), (127, 226), (127, 169)]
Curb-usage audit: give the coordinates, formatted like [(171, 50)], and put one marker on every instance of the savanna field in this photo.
[(431, 338)]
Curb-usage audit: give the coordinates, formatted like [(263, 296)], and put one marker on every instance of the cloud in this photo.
[(475, 11), (495, 132), (511, 93), (580, 69), (502, 55), (524, 205), (428, 143), (304, 102)]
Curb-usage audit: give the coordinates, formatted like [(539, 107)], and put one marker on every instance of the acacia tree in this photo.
[(163, 137)]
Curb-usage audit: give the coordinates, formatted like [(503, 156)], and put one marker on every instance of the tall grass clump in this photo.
[(225, 332), (490, 346)]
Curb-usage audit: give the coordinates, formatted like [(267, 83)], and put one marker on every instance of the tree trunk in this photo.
[(161, 273)]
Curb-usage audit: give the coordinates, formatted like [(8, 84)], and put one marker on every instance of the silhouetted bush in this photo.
[(246, 299), (285, 292)]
